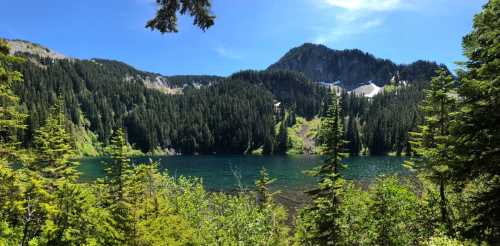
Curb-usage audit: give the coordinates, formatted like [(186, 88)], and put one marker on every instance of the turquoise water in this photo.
[(219, 172)]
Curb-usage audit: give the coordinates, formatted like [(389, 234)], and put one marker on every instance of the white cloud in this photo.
[(370, 5), (342, 31), (227, 53), (354, 17)]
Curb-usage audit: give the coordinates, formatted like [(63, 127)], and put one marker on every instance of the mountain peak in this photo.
[(349, 68)]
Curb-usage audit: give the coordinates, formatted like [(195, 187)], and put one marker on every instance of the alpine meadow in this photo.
[(88, 145)]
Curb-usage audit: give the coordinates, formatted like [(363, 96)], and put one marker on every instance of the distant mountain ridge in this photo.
[(167, 84), (351, 68)]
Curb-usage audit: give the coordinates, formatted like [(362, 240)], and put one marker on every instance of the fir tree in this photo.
[(282, 138), (118, 169), (11, 118), (321, 217), (118, 181), (165, 20), (11, 123), (431, 143), (476, 133), (55, 149), (264, 196), (352, 136)]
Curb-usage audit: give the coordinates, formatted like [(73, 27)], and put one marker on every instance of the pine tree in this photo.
[(118, 173), (165, 19), (282, 138), (11, 123), (11, 119), (321, 217), (431, 143), (119, 167), (77, 218), (264, 195), (55, 150), (476, 133), (352, 136)]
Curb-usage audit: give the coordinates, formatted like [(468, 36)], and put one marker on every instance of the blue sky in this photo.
[(248, 34)]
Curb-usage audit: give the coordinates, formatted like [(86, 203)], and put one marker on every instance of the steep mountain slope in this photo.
[(293, 89), (189, 114), (350, 68)]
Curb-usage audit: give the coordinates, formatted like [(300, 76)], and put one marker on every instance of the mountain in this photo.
[(351, 68), (186, 114), (22, 46), (166, 84), (211, 114)]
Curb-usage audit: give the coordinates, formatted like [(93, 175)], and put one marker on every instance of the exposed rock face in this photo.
[(349, 68), (21, 46)]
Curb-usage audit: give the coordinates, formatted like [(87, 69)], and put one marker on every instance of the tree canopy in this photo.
[(166, 18)]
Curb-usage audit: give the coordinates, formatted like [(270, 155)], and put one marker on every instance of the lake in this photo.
[(219, 172)]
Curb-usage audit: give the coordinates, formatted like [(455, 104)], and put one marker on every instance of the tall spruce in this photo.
[(11, 123), (431, 143), (476, 133), (352, 136), (118, 181), (323, 227), (11, 118), (55, 149), (282, 137), (118, 169)]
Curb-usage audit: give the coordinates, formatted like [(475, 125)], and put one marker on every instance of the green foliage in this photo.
[(55, 151), (282, 138), (264, 195), (475, 134), (431, 143), (165, 19), (292, 89), (229, 116), (382, 122), (356, 224), (78, 219), (457, 157), (11, 118), (398, 214), (319, 221), (352, 136)]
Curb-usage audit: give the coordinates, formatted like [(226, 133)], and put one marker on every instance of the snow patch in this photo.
[(368, 90)]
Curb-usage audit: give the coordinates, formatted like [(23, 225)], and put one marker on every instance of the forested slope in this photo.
[(211, 114)]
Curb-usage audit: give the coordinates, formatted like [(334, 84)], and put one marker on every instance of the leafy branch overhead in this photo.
[(166, 17)]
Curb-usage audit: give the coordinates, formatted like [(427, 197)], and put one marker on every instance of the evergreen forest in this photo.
[(54, 111)]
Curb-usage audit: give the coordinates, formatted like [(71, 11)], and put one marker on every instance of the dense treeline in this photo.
[(232, 115), (100, 95), (182, 80), (380, 124), (229, 117), (292, 89)]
